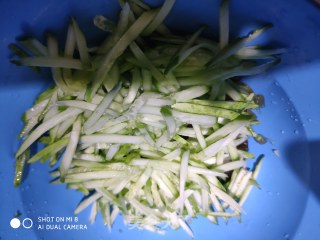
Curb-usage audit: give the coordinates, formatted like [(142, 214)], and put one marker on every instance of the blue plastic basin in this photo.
[(287, 206)]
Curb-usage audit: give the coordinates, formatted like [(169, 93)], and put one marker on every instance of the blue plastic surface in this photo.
[(288, 205)]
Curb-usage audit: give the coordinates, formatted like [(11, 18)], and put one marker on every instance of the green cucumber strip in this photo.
[(224, 23), (50, 149), (243, 184), (255, 174), (19, 168), (184, 51), (106, 194), (255, 53), (171, 124), (112, 78), (29, 126), (89, 157), (79, 177), (233, 151), (237, 45), (140, 183), (101, 107), (139, 54), (45, 126), (63, 127), (52, 62), (233, 188), (46, 94), (86, 202), (191, 118), (77, 104), (130, 35), (81, 44), (186, 227), (71, 148), (214, 148), (205, 110), (134, 88), (231, 105), (111, 138), (172, 155), (70, 44), (144, 209), (55, 61), (159, 18), (93, 212), (186, 57), (114, 214), (225, 130), (226, 198), (121, 27), (36, 110), (231, 166), (199, 136), (183, 177), (34, 46), (190, 93)]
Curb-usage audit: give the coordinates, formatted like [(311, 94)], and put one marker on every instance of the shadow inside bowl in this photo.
[(300, 151)]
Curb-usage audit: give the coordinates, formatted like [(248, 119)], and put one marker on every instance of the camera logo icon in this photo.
[(16, 223)]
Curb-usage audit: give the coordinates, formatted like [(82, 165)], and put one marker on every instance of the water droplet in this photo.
[(270, 193), (291, 116), (287, 110), (274, 102), (296, 132), (276, 83), (296, 120), (309, 120), (276, 152), (45, 201), (303, 124), (46, 214), (283, 131), (286, 236)]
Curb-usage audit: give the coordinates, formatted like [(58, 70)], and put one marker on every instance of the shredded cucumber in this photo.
[(149, 124)]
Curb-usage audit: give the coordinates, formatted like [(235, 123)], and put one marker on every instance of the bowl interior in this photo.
[(274, 212)]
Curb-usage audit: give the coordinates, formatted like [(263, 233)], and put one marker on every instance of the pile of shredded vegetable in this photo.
[(149, 124)]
